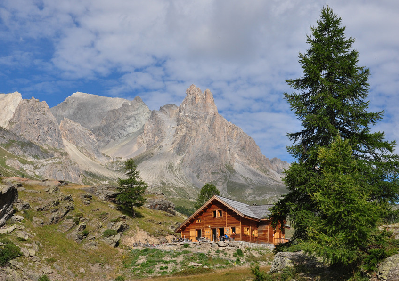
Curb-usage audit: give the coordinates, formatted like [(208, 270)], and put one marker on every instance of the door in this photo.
[(192, 234), (214, 234)]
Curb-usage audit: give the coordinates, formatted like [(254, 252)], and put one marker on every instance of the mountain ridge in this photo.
[(177, 148)]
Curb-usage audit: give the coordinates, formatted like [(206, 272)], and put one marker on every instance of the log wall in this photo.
[(216, 220)]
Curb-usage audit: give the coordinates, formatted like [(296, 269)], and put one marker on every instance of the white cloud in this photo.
[(242, 50)]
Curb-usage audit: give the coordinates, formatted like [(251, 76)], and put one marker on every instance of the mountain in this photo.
[(177, 148)]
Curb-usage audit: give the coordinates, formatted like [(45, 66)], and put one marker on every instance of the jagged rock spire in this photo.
[(198, 102)]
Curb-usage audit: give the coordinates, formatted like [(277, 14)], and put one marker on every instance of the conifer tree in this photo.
[(131, 190), (338, 157), (207, 191)]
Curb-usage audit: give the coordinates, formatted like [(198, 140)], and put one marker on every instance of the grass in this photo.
[(236, 274), (144, 262)]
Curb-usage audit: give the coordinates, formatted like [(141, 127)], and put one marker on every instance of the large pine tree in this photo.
[(338, 156)]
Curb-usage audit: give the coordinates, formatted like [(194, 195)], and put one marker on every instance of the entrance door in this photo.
[(214, 237), (199, 234), (221, 231)]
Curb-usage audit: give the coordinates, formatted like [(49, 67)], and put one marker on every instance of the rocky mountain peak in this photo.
[(86, 109), (8, 105), (33, 120), (198, 102)]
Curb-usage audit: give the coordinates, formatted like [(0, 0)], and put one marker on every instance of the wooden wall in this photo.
[(207, 224)]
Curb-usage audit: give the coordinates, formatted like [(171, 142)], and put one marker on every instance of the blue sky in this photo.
[(243, 51)]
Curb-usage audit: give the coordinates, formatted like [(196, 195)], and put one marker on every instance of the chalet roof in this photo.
[(242, 209), (257, 212)]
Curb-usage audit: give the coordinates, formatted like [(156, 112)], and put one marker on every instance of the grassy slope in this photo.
[(58, 250)]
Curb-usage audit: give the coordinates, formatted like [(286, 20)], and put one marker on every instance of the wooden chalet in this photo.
[(242, 222)]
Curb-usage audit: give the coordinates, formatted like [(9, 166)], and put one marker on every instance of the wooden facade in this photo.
[(220, 216)]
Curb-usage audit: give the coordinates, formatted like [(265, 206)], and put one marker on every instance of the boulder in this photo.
[(289, 259), (389, 269), (161, 204), (8, 196)]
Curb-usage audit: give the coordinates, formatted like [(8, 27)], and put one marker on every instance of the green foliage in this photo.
[(346, 177), (8, 251), (131, 190), (109, 232), (85, 232), (207, 191), (259, 275), (120, 278), (28, 214), (44, 278), (240, 253), (185, 211)]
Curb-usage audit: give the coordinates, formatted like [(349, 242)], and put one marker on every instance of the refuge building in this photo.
[(242, 222)]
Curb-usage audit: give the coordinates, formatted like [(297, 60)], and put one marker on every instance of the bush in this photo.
[(109, 233), (259, 275), (240, 253), (8, 251), (85, 232), (120, 278), (185, 211), (43, 278)]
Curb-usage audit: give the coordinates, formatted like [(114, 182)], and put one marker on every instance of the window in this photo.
[(217, 213), (198, 220), (233, 229), (246, 230)]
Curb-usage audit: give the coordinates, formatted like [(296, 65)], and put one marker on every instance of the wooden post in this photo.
[(226, 216), (240, 230)]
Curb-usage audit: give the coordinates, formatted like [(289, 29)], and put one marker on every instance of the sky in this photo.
[(243, 51)]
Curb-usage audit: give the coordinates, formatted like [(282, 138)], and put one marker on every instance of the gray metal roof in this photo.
[(258, 212)]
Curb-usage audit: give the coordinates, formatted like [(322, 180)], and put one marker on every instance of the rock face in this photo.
[(33, 120), (81, 138), (8, 105), (85, 109), (8, 196)]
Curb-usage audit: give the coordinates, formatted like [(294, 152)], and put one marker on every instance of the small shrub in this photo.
[(103, 215), (259, 275), (79, 215), (8, 251), (28, 214), (109, 233), (240, 253), (120, 278), (51, 260), (43, 278), (186, 245), (85, 232), (76, 220)]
